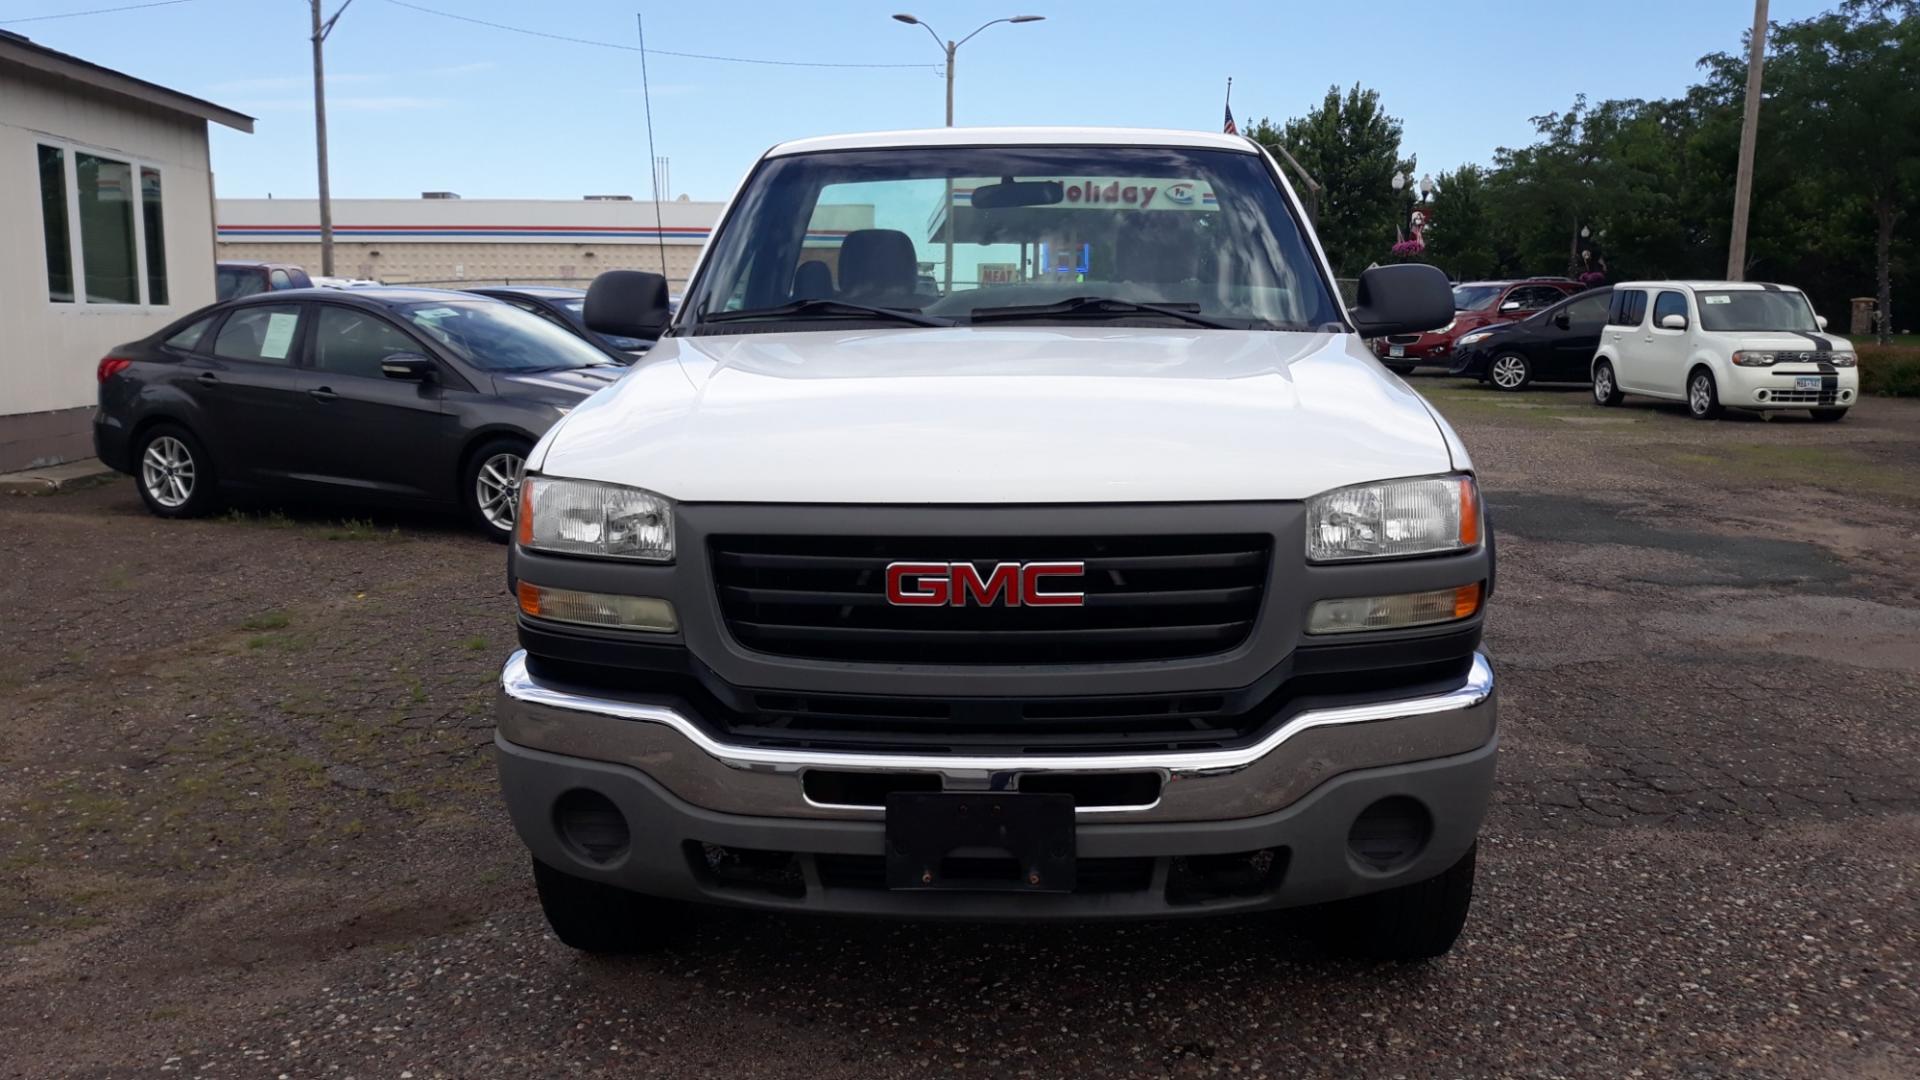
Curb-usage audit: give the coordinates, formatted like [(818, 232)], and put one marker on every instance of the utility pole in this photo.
[(1749, 130), (320, 32)]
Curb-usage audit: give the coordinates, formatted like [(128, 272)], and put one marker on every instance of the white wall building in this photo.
[(106, 233)]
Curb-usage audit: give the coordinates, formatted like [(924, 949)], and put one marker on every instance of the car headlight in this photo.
[(1750, 358), (1845, 359), (1474, 338), (1394, 518), (1447, 327), (583, 517)]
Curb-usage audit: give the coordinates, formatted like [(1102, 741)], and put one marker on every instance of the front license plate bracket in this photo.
[(1807, 382), (980, 841)]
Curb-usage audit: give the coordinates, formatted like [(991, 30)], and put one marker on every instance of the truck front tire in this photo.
[(1413, 922), (598, 918)]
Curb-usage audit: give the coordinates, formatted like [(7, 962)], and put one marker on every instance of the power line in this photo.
[(632, 48), (94, 11)]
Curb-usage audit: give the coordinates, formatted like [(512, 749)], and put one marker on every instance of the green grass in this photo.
[(1832, 468), (474, 643), (1890, 370), (272, 620)]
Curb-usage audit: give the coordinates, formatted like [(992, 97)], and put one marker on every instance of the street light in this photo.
[(951, 47)]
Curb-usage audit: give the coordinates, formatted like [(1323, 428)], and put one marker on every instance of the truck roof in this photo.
[(1015, 136)]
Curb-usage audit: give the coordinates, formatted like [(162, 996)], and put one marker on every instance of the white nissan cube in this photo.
[(1723, 344)]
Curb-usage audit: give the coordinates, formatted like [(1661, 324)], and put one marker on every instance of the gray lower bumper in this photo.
[(1296, 793)]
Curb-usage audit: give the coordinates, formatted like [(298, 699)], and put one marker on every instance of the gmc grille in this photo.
[(1147, 598)]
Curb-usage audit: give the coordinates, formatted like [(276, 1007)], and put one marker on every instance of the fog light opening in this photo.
[(1764, 395), (591, 826), (1846, 395), (1390, 833)]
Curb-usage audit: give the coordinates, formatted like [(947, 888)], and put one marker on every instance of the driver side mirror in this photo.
[(1673, 322), (1404, 298), (1821, 320), (410, 366), (627, 303), (1511, 305), (1562, 321)]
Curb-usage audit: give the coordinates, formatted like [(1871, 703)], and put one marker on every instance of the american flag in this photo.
[(1231, 128)]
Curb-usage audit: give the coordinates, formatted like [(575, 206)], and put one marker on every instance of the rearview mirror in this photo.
[(1673, 322), (1010, 193), (1404, 298), (627, 303), (406, 365)]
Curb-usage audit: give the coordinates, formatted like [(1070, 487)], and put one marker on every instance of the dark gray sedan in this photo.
[(378, 394)]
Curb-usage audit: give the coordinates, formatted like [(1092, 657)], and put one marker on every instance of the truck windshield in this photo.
[(1033, 233), (1756, 309)]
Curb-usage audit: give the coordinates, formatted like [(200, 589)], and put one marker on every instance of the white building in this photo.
[(106, 233)]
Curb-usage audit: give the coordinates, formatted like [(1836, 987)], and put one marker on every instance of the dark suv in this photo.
[(1476, 304)]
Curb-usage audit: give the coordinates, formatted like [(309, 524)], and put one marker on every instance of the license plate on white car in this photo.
[(1807, 383), (1396, 350)]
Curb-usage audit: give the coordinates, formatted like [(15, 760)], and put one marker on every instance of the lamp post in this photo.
[(952, 47)]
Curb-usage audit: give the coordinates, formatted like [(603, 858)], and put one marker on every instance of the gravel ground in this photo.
[(248, 825)]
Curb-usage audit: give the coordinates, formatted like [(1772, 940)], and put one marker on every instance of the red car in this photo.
[(1476, 303)]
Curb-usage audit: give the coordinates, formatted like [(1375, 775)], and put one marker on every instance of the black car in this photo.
[(565, 307), (383, 393), (1555, 344)]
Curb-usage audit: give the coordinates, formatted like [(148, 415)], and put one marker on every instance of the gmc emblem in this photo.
[(916, 584)]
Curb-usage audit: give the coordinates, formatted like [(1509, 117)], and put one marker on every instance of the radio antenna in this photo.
[(646, 94)]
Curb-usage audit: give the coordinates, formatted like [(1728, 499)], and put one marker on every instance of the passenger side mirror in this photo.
[(406, 365), (1563, 321), (1404, 298), (1673, 322), (1821, 320), (1511, 305), (628, 303)]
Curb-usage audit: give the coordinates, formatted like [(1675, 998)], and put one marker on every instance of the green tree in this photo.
[(1843, 97), (1460, 240), (1352, 147)]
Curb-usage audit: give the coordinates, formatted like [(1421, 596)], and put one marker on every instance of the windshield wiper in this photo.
[(1100, 305), (821, 308)]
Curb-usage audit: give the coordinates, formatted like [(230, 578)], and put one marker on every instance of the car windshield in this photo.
[(1475, 297), (1756, 309), (232, 281), (495, 336), (948, 231)]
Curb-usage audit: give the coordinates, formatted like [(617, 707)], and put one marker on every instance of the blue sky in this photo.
[(418, 102)]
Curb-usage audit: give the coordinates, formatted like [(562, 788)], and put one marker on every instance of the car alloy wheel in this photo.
[(167, 470), (1509, 372), (1701, 399), (1603, 385), (497, 489)]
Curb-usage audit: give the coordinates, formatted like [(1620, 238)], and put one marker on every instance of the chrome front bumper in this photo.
[(1211, 785)]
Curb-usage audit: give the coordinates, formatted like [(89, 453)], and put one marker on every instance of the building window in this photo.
[(121, 251), (156, 238), (53, 222)]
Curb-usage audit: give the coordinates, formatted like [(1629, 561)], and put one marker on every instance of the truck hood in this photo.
[(1001, 415), (1785, 340)]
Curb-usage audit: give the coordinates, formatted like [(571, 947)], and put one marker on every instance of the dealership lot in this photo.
[(248, 823)]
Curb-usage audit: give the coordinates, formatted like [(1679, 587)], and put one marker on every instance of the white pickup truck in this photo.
[(1009, 524)]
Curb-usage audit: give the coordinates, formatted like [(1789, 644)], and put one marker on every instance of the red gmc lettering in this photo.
[(957, 584), (931, 579)]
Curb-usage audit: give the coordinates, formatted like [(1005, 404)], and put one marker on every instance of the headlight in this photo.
[(581, 517), (1447, 327), (1475, 338), (1749, 358), (1845, 359), (1394, 517)]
